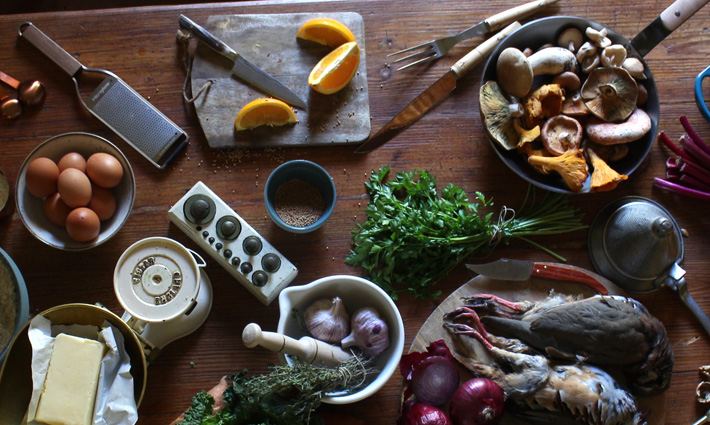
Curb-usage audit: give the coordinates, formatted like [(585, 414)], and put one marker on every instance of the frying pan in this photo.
[(545, 30)]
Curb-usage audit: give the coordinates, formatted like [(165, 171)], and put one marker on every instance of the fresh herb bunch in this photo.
[(286, 395), (413, 235)]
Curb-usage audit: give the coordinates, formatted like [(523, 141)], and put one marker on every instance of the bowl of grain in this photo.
[(14, 303), (299, 196)]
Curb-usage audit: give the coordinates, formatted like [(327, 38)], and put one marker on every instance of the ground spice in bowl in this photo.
[(298, 203)]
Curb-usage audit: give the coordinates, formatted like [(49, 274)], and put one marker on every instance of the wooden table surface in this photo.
[(139, 45)]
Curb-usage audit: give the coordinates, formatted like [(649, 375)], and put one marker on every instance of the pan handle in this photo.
[(699, 98), (670, 19), (50, 48), (681, 287)]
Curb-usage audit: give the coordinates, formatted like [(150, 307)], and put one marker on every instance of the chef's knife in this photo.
[(521, 270), (242, 68), (436, 93)]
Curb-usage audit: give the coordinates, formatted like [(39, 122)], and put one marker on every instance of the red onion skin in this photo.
[(434, 380), (478, 401), (423, 414)]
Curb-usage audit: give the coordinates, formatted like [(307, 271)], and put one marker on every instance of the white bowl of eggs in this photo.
[(75, 191)]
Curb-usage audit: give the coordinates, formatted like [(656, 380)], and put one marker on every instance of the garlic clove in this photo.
[(328, 320)]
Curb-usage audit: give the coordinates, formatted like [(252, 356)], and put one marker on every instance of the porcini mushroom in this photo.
[(635, 68), (606, 133), (604, 178), (515, 75), (610, 93), (598, 37), (498, 115), (613, 55), (574, 106), (571, 166), (560, 134), (570, 38), (544, 102), (552, 61), (568, 81), (526, 136), (587, 57)]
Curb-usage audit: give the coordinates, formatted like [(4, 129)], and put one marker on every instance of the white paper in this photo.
[(115, 403)]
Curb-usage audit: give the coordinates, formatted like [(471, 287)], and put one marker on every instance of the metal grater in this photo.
[(117, 105)]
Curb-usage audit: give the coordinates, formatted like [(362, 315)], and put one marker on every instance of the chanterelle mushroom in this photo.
[(544, 102), (571, 166), (560, 134), (604, 178), (606, 133), (515, 75), (498, 115), (526, 136), (610, 93)]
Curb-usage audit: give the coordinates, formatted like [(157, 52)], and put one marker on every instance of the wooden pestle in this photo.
[(307, 349)]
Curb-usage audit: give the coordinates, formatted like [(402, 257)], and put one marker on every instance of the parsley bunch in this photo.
[(413, 235)]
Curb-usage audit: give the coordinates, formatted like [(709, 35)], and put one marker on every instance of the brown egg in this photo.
[(41, 177), (56, 210), (72, 160), (102, 202), (83, 225), (104, 170), (74, 188)]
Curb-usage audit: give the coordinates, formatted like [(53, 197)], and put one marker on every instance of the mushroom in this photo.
[(574, 106), (544, 102), (571, 166), (552, 61), (613, 55), (498, 115), (605, 133), (610, 93), (528, 52), (611, 153), (587, 57), (570, 38), (643, 96), (598, 37), (604, 178), (514, 72), (568, 81), (526, 136), (560, 134), (635, 68)]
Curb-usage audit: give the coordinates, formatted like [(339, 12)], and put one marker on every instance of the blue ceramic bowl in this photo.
[(23, 304), (309, 172)]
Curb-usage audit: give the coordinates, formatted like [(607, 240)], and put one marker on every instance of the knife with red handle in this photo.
[(520, 270)]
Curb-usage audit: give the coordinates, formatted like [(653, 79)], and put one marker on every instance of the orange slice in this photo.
[(264, 111), (336, 69), (325, 31)]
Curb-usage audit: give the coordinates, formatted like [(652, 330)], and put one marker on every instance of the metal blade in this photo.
[(252, 75), (414, 110), (504, 269)]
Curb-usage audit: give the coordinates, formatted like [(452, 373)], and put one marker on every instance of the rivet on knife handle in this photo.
[(560, 272), (204, 35), (50, 49), (497, 21), (477, 55)]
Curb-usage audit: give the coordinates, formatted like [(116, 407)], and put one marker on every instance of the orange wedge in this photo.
[(325, 31), (264, 111), (336, 69)]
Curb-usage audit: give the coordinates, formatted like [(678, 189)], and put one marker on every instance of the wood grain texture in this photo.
[(139, 45)]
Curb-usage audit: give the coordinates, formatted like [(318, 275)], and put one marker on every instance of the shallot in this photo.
[(478, 401)]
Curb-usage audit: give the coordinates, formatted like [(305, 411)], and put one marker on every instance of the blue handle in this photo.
[(699, 99)]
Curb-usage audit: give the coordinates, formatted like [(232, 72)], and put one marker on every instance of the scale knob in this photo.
[(199, 209), (271, 263), (228, 228), (252, 245)]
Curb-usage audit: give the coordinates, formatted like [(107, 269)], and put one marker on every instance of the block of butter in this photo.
[(70, 386)]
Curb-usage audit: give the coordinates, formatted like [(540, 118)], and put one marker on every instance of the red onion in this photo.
[(434, 380), (423, 414), (478, 401)]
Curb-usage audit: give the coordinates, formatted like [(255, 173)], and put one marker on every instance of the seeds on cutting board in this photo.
[(298, 203)]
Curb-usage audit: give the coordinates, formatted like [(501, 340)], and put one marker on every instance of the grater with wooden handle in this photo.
[(116, 104)]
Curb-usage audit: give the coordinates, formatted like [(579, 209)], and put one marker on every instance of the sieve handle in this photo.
[(50, 48), (681, 287)]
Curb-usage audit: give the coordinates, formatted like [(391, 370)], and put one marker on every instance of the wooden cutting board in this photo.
[(269, 41), (534, 289)]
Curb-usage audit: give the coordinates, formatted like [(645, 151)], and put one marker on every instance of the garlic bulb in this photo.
[(328, 320), (369, 333)]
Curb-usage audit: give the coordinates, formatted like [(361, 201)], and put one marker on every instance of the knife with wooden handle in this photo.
[(436, 93)]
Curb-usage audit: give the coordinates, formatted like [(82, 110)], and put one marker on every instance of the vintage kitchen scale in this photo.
[(166, 295)]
